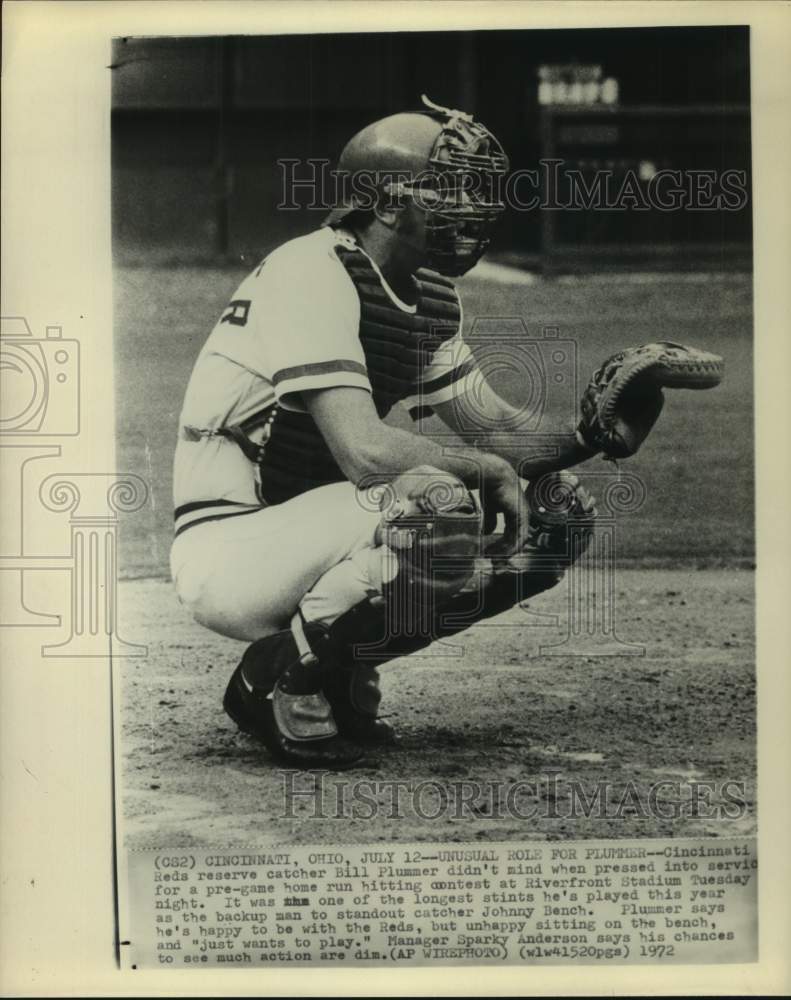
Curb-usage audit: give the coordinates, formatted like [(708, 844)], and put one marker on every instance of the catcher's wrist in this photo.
[(589, 449)]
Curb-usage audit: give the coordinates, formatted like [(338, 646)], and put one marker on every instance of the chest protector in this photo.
[(398, 345)]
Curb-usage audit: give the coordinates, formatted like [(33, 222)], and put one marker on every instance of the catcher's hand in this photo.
[(624, 397)]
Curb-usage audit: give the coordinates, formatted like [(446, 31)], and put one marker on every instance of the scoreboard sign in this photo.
[(573, 83)]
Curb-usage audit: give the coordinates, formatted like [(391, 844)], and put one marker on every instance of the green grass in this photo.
[(697, 465)]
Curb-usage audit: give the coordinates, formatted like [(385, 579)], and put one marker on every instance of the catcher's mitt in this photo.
[(624, 397)]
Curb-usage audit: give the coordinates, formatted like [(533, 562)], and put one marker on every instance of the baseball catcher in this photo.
[(331, 541)]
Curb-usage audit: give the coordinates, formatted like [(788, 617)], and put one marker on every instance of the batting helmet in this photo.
[(444, 159)]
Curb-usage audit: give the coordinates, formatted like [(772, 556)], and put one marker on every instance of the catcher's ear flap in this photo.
[(637, 411)]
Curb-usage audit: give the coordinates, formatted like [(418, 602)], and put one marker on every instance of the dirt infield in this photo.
[(545, 731)]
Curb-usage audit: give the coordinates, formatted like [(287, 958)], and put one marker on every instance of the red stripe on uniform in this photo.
[(318, 368)]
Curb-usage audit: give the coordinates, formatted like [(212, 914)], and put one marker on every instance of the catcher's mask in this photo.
[(449, 164)]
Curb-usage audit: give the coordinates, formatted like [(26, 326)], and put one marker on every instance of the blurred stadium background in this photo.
[(200, 123)]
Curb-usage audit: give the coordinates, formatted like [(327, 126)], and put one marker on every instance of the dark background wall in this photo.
[(200, 123)]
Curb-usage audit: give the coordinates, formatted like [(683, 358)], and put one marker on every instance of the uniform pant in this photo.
[(245, 576)]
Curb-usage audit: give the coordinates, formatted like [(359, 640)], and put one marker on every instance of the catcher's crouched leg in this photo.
[(303, 691), (430, 533), (276, 695), (439, 588), (410, 615), (308, 691)]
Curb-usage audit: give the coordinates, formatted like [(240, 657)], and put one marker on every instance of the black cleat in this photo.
[(370, 732), (353, 692), (270, 715)]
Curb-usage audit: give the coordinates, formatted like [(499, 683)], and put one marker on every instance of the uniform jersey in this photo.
[(303, 320)]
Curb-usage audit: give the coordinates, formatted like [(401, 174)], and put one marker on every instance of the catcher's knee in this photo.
[(431, 530), (426, 580), (426, 542)]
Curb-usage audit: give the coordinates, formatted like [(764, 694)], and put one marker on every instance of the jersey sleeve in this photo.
[(451, 372), (306, 316)]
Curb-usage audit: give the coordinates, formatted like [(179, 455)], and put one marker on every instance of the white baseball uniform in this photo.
[(293, 325)]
